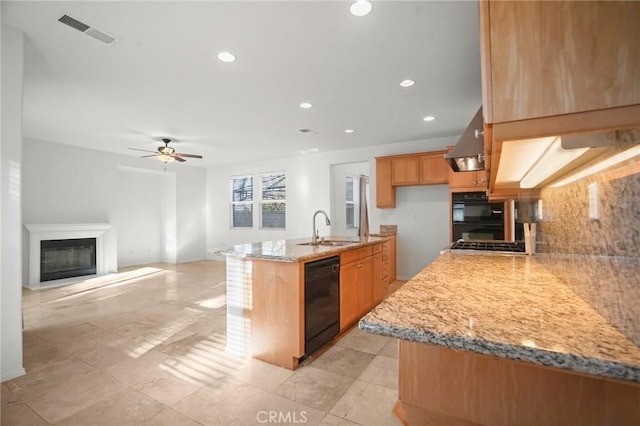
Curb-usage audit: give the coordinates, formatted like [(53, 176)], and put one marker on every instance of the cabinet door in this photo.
[(405, 170), (377, 278), (547, 58), (434, 169), (462, 179), (348, 294), (365, 285), (392, 258), (385, 192)]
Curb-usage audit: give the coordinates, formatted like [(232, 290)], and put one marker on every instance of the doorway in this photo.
[(348, 204)]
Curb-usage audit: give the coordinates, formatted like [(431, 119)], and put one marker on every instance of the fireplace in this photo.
[(62, 253), (67, 258)]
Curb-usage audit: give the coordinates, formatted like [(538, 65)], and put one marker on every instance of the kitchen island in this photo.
[(499, 340), (266, 292)]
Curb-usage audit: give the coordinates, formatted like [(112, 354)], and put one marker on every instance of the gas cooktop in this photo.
[(503, 246)]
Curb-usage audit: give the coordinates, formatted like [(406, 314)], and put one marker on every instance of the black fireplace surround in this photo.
[(67, 258)]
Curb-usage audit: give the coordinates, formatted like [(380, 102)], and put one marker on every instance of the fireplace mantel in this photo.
[(63, 231)]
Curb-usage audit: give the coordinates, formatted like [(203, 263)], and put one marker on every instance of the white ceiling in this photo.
[(163, 77)]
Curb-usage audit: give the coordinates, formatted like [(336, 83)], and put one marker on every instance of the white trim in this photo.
[(8, 375), (61, 231)]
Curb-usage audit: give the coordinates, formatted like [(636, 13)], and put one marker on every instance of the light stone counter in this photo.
[(293, 250), (505, 306)]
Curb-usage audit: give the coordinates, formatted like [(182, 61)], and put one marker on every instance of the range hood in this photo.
[(468, 154)]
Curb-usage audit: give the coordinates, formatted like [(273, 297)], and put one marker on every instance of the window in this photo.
[(242, 202), (349, 202), (273, 200)]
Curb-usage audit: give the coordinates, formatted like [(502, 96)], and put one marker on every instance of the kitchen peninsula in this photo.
[(499, 340), (266, 292)]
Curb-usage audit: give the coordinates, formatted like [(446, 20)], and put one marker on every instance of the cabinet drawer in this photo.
[(355, 254), (377, 248)]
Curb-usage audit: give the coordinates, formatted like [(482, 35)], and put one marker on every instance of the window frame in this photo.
[(262, 201), (233, 203), (355, 202)]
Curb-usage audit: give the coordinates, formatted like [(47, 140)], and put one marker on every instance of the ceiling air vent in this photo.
[(88, 30)]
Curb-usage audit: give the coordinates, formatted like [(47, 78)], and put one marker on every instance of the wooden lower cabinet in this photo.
[(393, 253), (378, 277), (348, 294), (360, 283), (274, 302), (442, 386), (365, 284), (388, 263)]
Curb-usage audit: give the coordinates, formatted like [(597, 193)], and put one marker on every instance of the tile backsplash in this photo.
[(598, 259)]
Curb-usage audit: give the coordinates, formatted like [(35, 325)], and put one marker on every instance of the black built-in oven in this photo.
[(474, 217)]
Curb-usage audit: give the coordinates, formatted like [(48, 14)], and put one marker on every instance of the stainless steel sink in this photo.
[(335, 243)]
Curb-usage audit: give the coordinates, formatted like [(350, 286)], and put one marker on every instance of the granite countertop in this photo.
[(293, 251), (506, 306)]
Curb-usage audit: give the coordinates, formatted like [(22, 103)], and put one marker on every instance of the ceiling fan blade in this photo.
[(182, 160), (147, 156), (188, 155), (143, 150)]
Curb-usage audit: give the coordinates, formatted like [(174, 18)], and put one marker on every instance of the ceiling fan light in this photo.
[(165, 158), (361, 8)]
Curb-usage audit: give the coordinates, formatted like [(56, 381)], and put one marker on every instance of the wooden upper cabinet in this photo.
[(467, 180), (425, 168), (434, 169), (385, 192), (419, 169), (405, 170), (549, 58)]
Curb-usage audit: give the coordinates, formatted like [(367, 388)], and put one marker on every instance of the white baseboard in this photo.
[(8, 375)]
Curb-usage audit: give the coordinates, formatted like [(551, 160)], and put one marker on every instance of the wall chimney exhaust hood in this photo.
[(468, 154)]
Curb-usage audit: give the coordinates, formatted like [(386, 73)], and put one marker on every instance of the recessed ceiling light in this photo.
[(305, 105), (361, 8), (349, 131), (407, 83), (308, 151), (226, 57), (429, 118)]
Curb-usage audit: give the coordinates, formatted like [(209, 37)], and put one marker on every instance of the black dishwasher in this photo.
[(321, 302)]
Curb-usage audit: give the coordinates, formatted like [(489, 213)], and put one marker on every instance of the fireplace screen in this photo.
[(67, 258)]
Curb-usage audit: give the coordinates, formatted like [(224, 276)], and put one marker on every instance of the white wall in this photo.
[(68, 184), (10, 185), (421, 213), (140, 215), (191, 203)]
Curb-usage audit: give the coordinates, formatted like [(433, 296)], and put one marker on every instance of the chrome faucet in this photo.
[(314, 235)]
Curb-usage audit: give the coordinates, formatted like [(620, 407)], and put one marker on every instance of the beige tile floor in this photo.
[(147, 347)]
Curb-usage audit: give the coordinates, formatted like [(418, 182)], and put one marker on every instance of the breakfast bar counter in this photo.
[(498, 339), (296, 250)]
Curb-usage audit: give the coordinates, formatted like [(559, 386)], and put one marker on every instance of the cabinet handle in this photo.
[(359, 265), (478, 133)]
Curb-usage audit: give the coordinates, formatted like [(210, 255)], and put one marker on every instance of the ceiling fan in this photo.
[(167, 154)]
